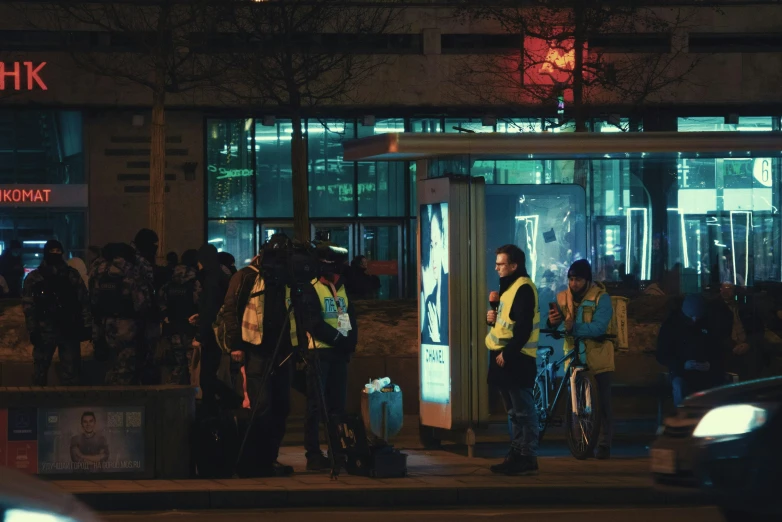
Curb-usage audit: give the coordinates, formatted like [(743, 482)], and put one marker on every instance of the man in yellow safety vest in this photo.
[(512, 343)]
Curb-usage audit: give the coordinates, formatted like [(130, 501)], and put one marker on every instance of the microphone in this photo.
[(494, 300)]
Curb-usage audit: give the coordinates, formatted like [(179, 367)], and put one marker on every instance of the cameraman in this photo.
[(333, 334), (254, 314)]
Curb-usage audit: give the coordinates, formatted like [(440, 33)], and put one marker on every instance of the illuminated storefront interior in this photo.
[(722, 220), (43, 192)]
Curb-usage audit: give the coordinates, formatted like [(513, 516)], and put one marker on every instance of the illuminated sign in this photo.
[(43, 195), (435, 351), (20, 196), (15, 71), (229, 173)]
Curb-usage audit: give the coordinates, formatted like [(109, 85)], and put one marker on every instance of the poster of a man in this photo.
[(434, 274), (89, 446)]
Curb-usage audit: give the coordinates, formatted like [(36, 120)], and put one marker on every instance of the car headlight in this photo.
[(24, 515), (735, 419)]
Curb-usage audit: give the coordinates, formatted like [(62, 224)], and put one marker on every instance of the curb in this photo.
[(389, 497)]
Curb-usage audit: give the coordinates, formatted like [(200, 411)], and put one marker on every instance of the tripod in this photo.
[(313, 365)]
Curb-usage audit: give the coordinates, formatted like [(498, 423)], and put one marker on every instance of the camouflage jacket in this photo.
[(182, 276), (136, 284), (72, 306)]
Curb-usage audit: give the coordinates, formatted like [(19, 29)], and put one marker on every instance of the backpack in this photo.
[(243, 296), (180, 303), (109, 298)]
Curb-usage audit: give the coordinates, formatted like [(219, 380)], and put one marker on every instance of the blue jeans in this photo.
[(520, 406), (334, 378)]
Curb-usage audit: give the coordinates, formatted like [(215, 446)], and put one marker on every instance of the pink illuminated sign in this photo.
[(12, 74)]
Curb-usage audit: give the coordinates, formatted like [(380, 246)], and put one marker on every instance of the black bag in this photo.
[(378, 460), (215, 445)]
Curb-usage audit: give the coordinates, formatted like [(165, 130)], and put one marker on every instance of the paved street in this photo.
[(697, 514)]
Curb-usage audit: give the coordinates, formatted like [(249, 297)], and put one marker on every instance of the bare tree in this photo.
[(589, 52), (293, 56), (151, 44)]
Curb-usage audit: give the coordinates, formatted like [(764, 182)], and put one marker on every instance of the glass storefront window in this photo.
[(466, 125), (229, 168), (723, 222), (381, 184), (426, 125), (41, 146), (273, 172), (717, 124), (234, 237), (331, 180), (515, 125)]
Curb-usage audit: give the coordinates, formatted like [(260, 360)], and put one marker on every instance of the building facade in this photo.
[(85, 138)]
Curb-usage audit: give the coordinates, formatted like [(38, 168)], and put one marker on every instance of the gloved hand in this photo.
[(86, 334), (691, 365)]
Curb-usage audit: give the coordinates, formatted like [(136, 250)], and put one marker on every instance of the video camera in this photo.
[(292, 263)]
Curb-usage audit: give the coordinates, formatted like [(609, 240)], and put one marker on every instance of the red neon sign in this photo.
[(25, 196), (13, 71)]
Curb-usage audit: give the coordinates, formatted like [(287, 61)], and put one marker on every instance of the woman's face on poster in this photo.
[(436, 248)]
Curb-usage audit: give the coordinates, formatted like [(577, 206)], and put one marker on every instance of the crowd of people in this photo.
[(198, 320)]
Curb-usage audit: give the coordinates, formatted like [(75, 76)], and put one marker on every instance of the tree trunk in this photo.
[(157, 171), (301, 200), (580, 167)]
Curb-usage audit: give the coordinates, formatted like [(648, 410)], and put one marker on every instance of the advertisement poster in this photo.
[(435, 350), (21, 435), (91, 440)]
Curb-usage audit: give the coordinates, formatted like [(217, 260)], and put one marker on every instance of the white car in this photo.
[(25, 498)]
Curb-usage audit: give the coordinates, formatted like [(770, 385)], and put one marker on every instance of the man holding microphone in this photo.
[(512, 343)]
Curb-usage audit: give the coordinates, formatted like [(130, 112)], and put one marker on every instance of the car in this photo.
[(728, 443), (25, 498)]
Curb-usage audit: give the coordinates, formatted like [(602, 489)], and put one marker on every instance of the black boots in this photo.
[(516, 464)]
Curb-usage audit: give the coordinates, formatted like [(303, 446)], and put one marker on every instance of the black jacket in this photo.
[(319, 329), (214, 285), (681, 340), (519, 369)]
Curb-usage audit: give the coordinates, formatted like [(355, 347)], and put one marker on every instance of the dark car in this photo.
[(727, 442)]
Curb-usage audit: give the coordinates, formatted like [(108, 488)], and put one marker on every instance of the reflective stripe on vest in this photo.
[(330, 309), (502, 332)]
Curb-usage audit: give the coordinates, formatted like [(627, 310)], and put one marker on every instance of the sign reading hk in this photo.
[(12, 74)]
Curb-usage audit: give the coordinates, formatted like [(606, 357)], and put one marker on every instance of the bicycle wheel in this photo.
[(541, 408), (583, 425)]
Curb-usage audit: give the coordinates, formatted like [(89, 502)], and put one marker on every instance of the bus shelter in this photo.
[(636, 205)]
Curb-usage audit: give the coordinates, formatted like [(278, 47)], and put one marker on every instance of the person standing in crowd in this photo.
[(77, 264), (121, 296), (359, 282), (57, 315), (228, 261), (255, 321), (512, 342), (12, 268), (214, 284), (333, 334), (172, 260), (178, 301), (690, 346), (586, 311), (146, 244)]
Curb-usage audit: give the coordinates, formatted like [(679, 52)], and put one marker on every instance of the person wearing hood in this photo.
[(690, 346), (178, 300), (214, 285), (12, 268), (57, 315), (585, 309), (121, 296), (512, 343)]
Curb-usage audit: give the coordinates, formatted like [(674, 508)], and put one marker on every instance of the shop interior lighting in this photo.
[(644, 261), (747, 227), (532, 240)]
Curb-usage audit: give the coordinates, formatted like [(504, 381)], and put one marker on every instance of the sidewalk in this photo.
[(435, 478)]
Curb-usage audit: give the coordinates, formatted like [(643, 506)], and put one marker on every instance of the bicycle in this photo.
[(582, 421)]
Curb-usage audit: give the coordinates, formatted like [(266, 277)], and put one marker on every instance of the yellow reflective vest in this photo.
[(329, 309), (599, 355), (502, 332)]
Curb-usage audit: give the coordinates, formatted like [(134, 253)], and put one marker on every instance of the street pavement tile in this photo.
[(122, 485), (160, 485), (200, 484)]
